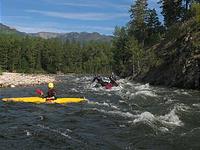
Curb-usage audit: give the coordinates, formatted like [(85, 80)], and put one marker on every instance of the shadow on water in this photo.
[(132, 116)]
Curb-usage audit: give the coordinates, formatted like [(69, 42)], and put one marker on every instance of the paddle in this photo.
[(40, 92)]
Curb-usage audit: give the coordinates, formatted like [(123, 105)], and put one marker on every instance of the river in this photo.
[(133, 116)]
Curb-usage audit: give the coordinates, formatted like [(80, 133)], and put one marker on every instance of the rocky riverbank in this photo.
[(20, 79)]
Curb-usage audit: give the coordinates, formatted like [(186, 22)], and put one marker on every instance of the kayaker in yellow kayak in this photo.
[(51, 94)]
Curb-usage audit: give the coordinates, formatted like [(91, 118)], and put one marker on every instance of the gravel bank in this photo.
[(20, 79)]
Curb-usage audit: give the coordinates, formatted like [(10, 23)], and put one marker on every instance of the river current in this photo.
[(133, 116)]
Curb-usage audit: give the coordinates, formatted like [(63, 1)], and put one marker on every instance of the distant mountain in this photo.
[(46, 35), (83, 36), (8, 30)]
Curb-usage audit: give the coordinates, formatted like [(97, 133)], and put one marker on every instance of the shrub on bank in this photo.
[(196, 11), (1, 71)]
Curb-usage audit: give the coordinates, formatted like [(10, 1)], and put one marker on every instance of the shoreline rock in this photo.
[(8, 79)]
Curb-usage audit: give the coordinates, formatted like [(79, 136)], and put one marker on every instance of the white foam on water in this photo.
[(123, 95), (142, 87), (123, 84), (182, 92), (151, 120), (144, 117), (185, 93), (115, 88), (182, 107), (164, 129), (194, 129), (146, 93), (135, 90), (77, 79), (58, 132), (196, 105), (86, 78), (74, 90), (122, 126), (97, 103), (128, 93), (129, 83), (115, 107), (145, 90), (169, 100), (123, 81), (171, 118), (64, 134), (103, 104), (28, 133), (119, 113), (92, 87), (142, 93), (41, 117), (121, 101)]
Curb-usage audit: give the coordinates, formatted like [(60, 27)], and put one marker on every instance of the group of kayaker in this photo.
[(108, 84)]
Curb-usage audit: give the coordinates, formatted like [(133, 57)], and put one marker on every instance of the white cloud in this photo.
[(89, 3), (81, 16), (16, 17), (80, 4), (32, 28), (29, 29), (99, 5)]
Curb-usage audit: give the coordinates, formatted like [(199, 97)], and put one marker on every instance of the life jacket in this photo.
[(51, 93)]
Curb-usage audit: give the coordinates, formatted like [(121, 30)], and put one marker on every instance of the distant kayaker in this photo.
[(99, 80), (108, 84)]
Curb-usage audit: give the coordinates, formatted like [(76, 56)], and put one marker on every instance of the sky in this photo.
[(64, 16)]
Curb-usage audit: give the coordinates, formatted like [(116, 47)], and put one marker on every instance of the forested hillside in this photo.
[(28, 54), (7, 30), (156, 53)]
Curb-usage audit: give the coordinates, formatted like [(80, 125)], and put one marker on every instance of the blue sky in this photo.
[(66, 15)]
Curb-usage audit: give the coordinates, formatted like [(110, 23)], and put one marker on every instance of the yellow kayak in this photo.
[(43, 100)]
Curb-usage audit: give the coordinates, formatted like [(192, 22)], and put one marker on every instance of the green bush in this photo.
[(196, 11), (174, 32), (1, 71)]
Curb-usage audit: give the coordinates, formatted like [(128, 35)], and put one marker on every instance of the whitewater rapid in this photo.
[(130, 116)]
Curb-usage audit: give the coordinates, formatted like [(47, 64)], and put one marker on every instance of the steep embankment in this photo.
[(180, 58)]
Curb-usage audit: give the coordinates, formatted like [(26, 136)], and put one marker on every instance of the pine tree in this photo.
[(152, 20), (138, 15), (154, 27), (172, 11)]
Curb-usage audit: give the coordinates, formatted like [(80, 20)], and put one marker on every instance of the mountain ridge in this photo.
[(77, 36), (9, 30)]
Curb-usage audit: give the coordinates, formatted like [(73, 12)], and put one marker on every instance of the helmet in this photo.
[(50, 85)]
